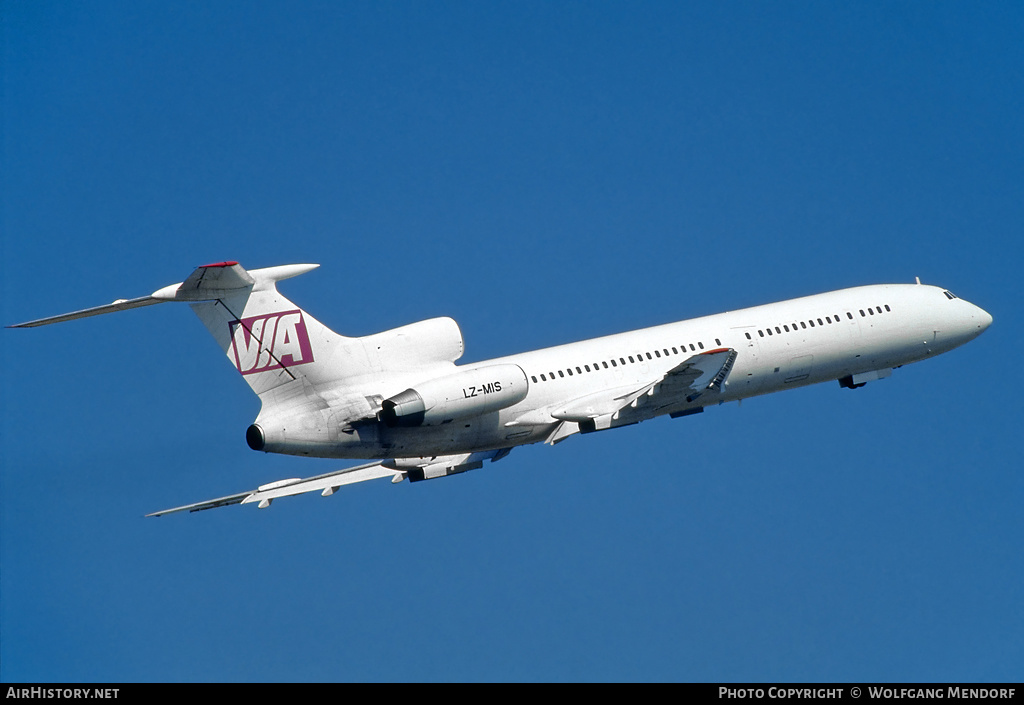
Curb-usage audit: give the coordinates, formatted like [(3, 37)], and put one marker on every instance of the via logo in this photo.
[(269, 342)]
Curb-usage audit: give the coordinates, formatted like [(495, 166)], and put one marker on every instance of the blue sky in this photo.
[(542, 172)]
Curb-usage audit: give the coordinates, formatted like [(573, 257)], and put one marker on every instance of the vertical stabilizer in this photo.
[(268, 339)]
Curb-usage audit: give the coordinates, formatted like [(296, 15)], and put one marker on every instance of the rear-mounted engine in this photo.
[(471, 392), (255, 438)]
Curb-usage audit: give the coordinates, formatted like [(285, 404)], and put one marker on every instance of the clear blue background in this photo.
[(542, 172)]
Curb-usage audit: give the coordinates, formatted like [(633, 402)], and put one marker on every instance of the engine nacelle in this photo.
[(471, 392)]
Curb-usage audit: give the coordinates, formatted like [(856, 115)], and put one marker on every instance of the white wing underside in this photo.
[(328, 483)]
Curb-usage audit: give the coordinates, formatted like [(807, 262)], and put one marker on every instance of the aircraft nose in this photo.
[(983, 318), (978, 319)]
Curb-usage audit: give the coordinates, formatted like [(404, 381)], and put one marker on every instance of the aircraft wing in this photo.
[(398, 469), (264, 494), (690, 379), (694, 376)]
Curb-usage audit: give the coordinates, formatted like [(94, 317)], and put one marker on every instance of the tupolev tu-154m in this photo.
[(399, 399)]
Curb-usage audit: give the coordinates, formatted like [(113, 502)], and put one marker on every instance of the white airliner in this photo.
[(398, 395)]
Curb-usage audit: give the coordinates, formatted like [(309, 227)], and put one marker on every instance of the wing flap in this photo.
[(598, 404)]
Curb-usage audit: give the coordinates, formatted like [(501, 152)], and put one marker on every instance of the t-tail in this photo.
[(268, 339)]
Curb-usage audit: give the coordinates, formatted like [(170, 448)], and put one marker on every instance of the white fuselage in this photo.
[(851, 333)]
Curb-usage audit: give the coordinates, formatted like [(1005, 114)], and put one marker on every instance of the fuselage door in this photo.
[(798, 370)]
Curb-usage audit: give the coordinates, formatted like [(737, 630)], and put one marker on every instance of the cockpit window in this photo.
[(949, 295)]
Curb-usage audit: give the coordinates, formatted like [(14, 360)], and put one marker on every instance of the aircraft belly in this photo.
[(458, 436)]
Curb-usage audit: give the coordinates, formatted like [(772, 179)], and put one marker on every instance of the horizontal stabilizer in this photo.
[(207, 283), (119, 305)]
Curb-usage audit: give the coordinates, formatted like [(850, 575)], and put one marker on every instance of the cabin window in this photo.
[(569, 371), (802, 324), (849, 315), (691, 347), (717, 341), (543, 378), (560, 374), (862, 314), (878, 308), (887, 308), (811, 322), (785, 327), (770, 332), (534, 379), (748, 336), (700, 345)]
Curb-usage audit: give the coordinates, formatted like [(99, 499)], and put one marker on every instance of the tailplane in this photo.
[(268, 339)]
